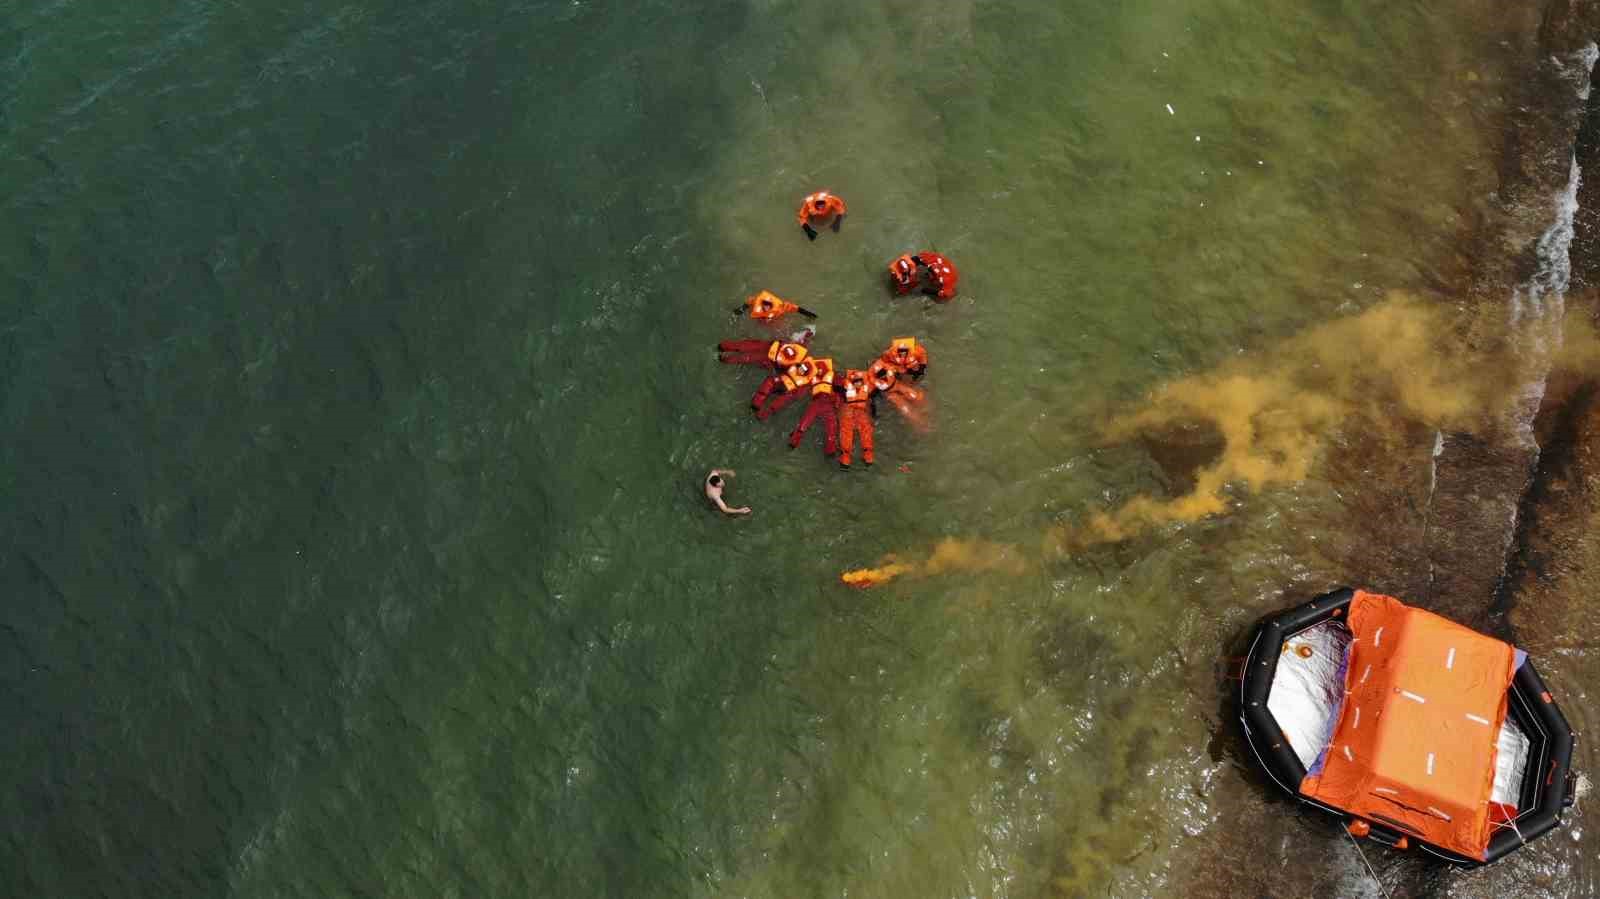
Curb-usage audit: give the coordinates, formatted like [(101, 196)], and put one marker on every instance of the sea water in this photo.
[(358, 380)]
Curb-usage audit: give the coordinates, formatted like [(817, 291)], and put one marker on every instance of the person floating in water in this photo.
[(907, 400), (767, 306), (935, 273), (714, 485), (789, 354), (778, 354), (824, 404), (855, 416), (818, 208), (788, 388), (907, 357)]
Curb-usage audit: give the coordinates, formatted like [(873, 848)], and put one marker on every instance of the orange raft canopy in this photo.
[(1407, 724), (1433, 695)]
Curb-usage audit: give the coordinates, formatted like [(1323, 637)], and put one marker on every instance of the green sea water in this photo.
[(357, 378)]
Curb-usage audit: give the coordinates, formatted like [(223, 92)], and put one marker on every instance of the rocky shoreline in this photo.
[(1501, 532)]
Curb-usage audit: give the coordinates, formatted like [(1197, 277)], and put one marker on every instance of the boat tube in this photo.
[(1410, 727)]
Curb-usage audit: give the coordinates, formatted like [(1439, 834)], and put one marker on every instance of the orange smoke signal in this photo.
[(863, 578), (950, 555)]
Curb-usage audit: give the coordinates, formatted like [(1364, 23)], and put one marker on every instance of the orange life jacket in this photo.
[(786, 353), (798, 376), (767, 305), (824, 381), (819, 205), (857, 386)]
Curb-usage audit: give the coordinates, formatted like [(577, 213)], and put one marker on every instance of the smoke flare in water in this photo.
[(949, 555)]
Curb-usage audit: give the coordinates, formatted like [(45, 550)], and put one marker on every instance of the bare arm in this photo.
[(728, 510)]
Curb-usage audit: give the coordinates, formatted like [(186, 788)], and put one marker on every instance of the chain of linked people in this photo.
[(844, 402)]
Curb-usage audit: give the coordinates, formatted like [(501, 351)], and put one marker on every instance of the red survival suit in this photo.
[(779, 354), (931, 270), (789, 387), (824, 404)]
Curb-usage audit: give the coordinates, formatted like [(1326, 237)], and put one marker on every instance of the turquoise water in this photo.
[(358, 385)]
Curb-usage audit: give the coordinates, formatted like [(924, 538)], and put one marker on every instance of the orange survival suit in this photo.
[(767, 306), (906, 356), (856, 415), (818, 208), (907, 400)]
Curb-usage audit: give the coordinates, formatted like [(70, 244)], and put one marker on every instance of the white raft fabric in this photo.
[(1510, 762), (1307, 692)]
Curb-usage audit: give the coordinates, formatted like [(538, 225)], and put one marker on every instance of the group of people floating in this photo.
[(844, 401)]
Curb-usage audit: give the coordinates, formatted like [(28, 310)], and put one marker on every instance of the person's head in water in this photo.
[(715, 480)]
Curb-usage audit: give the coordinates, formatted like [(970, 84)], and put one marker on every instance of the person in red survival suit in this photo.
[(941, 278), (932, 270), (792, 384), (787, 356), (825, 405), (778, 354), (817, 209)]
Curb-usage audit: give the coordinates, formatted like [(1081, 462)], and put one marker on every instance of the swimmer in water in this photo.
[(714, 485)]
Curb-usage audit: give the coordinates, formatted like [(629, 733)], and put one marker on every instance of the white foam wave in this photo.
[(1537, 306), (1583, 69)]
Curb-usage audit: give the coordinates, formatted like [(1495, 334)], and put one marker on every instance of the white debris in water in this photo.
[(1169, 110)]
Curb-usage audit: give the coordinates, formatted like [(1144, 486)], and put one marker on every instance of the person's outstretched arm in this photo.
[(726, 510)]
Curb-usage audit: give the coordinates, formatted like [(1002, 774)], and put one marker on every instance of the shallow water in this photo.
[(358, 385)]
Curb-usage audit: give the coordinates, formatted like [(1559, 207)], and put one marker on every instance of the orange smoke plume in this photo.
[(1273, 415), (949, 555)]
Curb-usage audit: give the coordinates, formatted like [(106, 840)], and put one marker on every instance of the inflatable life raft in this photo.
[(1412, 728)]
